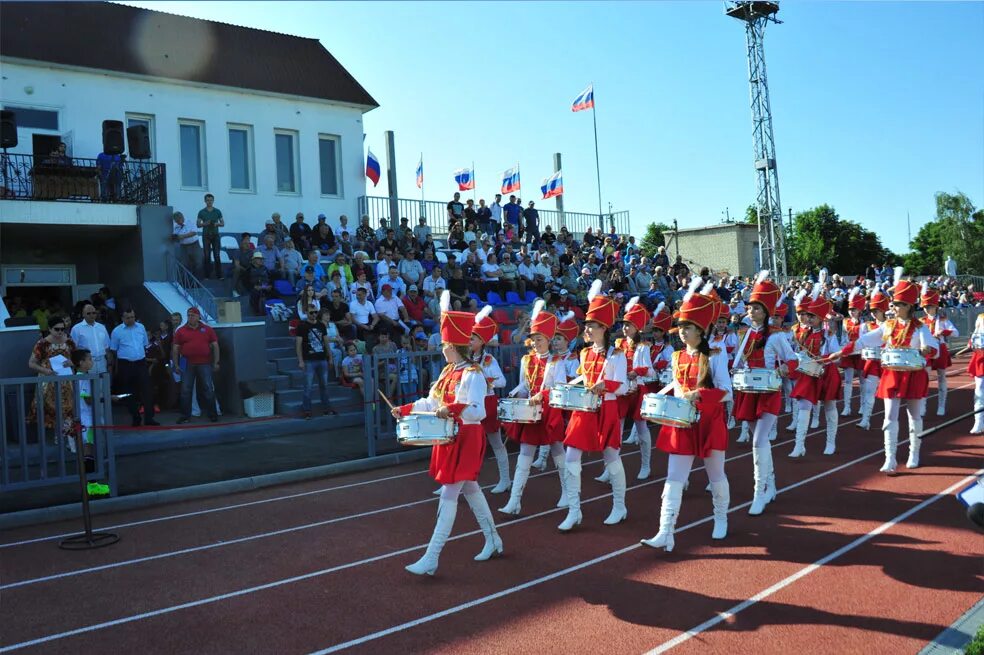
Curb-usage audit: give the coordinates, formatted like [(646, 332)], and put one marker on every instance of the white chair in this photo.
[(224, 257), (228, 242), (441, 257)]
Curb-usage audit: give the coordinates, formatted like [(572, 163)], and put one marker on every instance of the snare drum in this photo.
[(519, 410), (574, 397), (871, 354), (757, 380), (668, 410), (903, 359), (977, 341), (425, 429), (808, 365)]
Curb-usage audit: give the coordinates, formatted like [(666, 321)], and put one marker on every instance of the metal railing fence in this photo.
[(26, 177), (34, 455), (189, 286)]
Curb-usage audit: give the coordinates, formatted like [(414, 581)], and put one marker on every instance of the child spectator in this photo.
[(407, 370), (82, 365), (352, 370)]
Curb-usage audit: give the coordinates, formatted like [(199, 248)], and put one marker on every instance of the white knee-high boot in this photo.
[(979, 416), (668, 513), (762, 463), (559, 463), (848, 390), (427, 565), (573, 472), (645, 450), (605, 476), (541, 458), (501, 460), (720, 500), (730, 405), (619, 512), (632, 438), (480, 508), (794, 421), (942, 388), (815, 421), (891, 430), (745, 432), (832, 419), (867, 402), (802, 425), (774, 431), (522, 474), (915, 443)]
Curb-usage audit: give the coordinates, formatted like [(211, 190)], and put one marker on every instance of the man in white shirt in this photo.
[(527, 271), (394, 281), (496, 209), (491, 274), (92, 336), (543, 276), (190, 251), (433, 285), (364, 314), (391, 312), (383, 266), (411, 270), (422, 230)]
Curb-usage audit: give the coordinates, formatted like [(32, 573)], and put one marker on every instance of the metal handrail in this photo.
[(190, 287)]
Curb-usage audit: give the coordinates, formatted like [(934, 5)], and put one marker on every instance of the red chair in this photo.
[(505, 336), (578, 313), (502, 316)]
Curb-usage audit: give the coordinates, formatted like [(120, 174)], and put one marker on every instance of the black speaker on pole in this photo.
[(8, 129), (113, 137), (138, 141)]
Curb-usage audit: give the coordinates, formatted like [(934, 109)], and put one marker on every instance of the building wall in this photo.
[(727, 248), (85, 99)]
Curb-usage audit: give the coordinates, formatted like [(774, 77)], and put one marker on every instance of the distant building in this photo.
[(727, 248)]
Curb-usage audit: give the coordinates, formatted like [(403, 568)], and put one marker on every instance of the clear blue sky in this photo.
[(877, 105)]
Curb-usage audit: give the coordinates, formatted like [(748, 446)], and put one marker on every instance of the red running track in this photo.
[(846, 560)]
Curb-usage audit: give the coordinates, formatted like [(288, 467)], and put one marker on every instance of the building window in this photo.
[(192, 135), (240, 157), (287, 161), (147, 121), (37, 119), (328, 153)]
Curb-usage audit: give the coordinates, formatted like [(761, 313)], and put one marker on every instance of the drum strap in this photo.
[(741, 348)]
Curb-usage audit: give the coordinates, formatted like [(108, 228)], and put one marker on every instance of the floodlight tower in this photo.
[(772, 243)]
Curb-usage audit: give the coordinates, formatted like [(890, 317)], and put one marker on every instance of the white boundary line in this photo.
[(785, 582), (422, 620)]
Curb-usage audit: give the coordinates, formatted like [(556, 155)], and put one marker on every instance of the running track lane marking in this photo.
[(422, 620), (785, 582), (263, 535)]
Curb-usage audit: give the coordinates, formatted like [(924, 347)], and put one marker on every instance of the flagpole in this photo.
[(594, 120), (423, 203), (474, 181)]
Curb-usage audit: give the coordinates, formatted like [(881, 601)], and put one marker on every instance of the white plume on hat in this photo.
[(708, 288), (539, 305), (595, 290), (692, 288), (799, 298), (818, 287), (855, 291), (633, 301), (762, 276), (569, 316), (445, 301), (924, 288), (899, 272), (484, 312), (659, 308)]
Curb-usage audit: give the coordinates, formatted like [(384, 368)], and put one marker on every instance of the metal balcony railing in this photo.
[(26, 177)]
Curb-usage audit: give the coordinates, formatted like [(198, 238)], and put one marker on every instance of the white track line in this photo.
[(317, 524), (785, 582), (314, 574)]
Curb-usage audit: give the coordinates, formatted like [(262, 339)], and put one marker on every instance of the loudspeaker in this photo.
[(138, 141), (113, 137), (8, 129)]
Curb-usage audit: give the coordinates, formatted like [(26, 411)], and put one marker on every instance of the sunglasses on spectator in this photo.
[(58, 329)]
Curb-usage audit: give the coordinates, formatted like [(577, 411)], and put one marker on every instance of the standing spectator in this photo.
[(209, 221), (411, 270), (364, 313), (484, 217), (129, 343), (512, 212), (56, 345), (190, 253), (422, 231), (92, 336), (381, 232), (470, 214), (456, 210), (496, 210), (313, 357), (532, 218), (291, 262), (197, 344), (110, 176), (258, 281)]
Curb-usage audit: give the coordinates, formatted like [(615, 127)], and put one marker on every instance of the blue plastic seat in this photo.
[(513, 298), (531, 296), (283, 287), (495, 299)]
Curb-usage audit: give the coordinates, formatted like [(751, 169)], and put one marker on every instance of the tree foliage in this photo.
[(751, 215), (957, 231), (654, 238), (821, 238)]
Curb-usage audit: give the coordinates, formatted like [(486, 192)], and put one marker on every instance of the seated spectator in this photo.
[(336, 345), (340, 316), (417, 310), (527, 276), (411, 270), (457, 288), (381, 231), (258, 281), (564, 302), (341, 264), (305, 299), (490, 275), (456, 238), (271, 256), (361, 282), (472, 273), (392, 314), (395, 282), (679, 268), (364, 313), (389, 243), (509, 275), (432, 287), (428, 262), (365, 237), (384, 264), (352, 375), (422, 231), (337, 283), (300, 234), (470, 233), (291, 261), (241, 265), (543, 275), (310, 280), (324, 238), (387, 375), (345, 245)]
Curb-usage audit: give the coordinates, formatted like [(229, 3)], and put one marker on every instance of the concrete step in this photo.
[(346, 416), (274, 354), (286, 364), (296, 379), (277, 328), (279, 342), (271, 368), (337, 394), (280, 382)]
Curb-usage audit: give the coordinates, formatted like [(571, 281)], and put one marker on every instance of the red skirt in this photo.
[(976, 366), (491, 421), (710, 433), (627, 403), (852, 361), (826, 387), (462, 460), (943, 360), (595, 431), (751, 406), (548, 429), (903, 384), (872, 368), (643, 390)]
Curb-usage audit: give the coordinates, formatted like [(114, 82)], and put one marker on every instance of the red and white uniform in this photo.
[(896, 333), (817, 343), (494, 380), (660, 358), (595, 431), (639, 361), (711, 430), (761, 352), (461, 389), (942, 329), (870, 367), (852, 330), (726, 343), (537, 374)]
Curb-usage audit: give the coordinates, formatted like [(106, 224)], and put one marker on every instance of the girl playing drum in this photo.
[(483, 332), (563, 347), (871, 371), (702, 379), (725, 340), (603, 371), (852, 365), (976, 368), (538, 371), (458, 394), (941, 328)]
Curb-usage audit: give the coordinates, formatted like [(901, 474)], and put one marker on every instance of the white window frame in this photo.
[(14, 106), (296, 136), (338, 165), (201, 151), (250, 157), (151, 129)]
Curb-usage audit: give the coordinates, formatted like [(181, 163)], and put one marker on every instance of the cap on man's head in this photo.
[(194, 310), (386, 287), (309, 269), (322, 217), (563, 292), (257, 255), (421, 335), (413, 287), (586, 270), (269, 221)]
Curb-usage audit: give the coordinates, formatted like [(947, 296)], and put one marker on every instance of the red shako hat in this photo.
[(601, 308), (697, 308), (568, 328), (662, 319), (456, 327), (636, 313), (905, 291), (543, 322), (855, 299), (929, 296), (878, 300), (765, 292)]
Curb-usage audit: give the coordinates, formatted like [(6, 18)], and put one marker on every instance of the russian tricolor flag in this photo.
[(510, 181), (420, 174), (585, 100), (372, 168), (553, 186), (465, 179)]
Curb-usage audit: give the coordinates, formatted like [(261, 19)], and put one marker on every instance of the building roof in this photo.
[(112, 37)]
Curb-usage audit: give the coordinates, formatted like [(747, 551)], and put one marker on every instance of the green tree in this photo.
[(654, 238), (751, 215), (957, 231), (926, 250), (821, 238)]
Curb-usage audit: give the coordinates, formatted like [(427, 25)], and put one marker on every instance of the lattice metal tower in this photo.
[(772, 242)]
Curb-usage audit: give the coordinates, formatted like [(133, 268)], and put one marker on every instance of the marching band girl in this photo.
[(941, 328), (635, 349), (603, 371), (703, 379), (459, 394), (483, 332), (809, 391), (538, 371), (762, 348), (777, 323), (852, 365), (726, 341), (871, 371), (903, 331), (976, 368), (563, 347)]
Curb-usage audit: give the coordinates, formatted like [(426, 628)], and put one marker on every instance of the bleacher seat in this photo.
[(228, 242), (530, 297), (505, 336), (476, 298), (502, 316), (441, 258), (495, 299), (513, 298), (283, 287), (224, 257)]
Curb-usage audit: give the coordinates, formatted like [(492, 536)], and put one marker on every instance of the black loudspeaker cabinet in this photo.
[(8, 129), (138, 141), (113, 138)]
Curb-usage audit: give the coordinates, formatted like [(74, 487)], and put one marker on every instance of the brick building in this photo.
[(730, 248)]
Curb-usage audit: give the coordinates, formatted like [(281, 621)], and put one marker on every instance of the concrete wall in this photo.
[(730, 248), (84, 99)]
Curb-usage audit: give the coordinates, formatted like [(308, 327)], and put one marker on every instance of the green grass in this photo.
[(976, 645)]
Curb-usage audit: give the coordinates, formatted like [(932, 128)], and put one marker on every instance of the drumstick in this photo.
[(386, 399)]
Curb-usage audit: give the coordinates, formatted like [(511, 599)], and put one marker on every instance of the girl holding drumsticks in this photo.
[(942, 328), (563, 347), (976, 368), (871, 369), (483, 332)]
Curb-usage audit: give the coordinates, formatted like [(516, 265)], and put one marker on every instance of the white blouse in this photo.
[(470, 391)]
